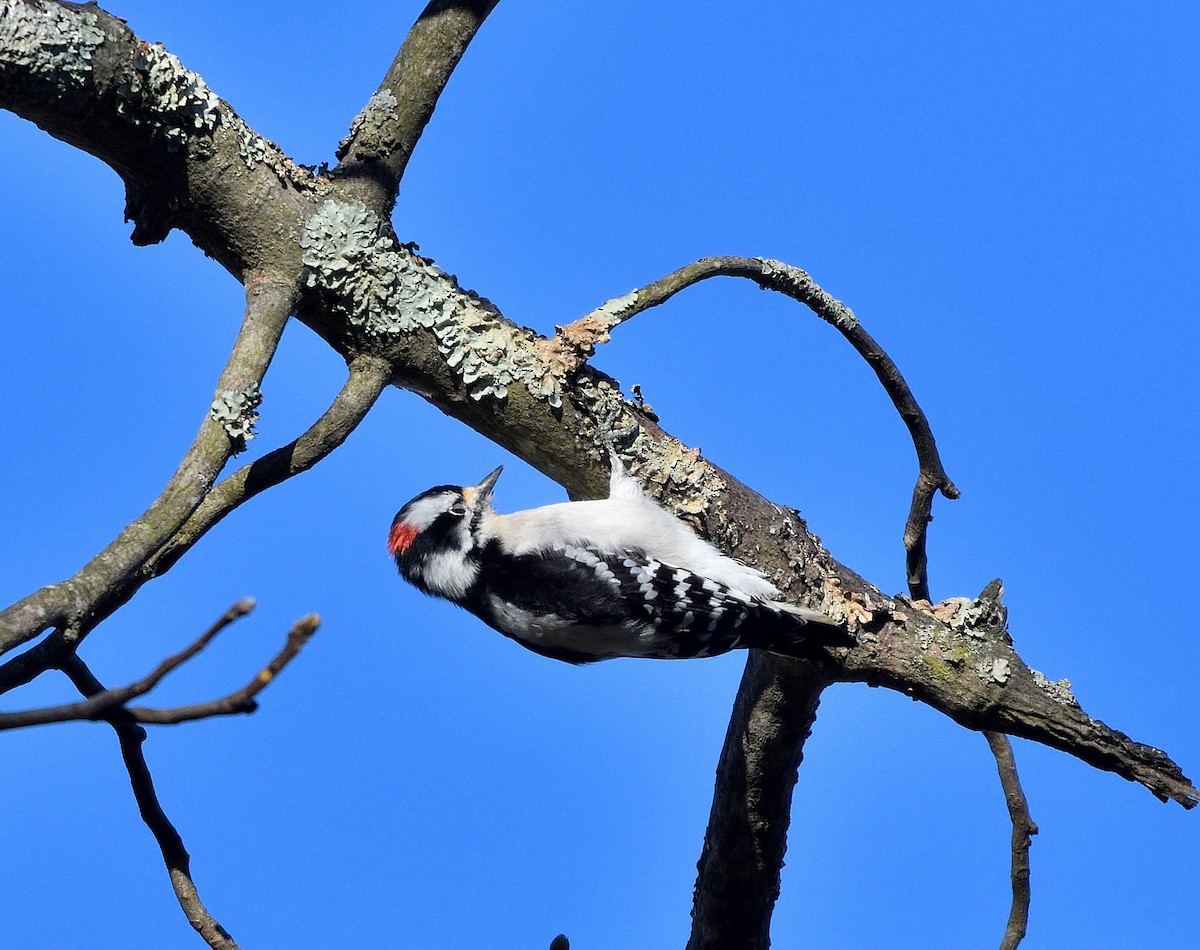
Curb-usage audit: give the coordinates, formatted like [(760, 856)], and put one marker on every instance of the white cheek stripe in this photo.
[(423, 512), (450, 574)]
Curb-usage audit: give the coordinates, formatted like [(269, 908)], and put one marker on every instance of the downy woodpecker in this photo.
[(591, 580)]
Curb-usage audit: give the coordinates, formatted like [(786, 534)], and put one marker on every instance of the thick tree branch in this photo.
[(957, 657), (738, 880), (174, 853), (538, 398), (75, 605), (383, 136), (187, 159)]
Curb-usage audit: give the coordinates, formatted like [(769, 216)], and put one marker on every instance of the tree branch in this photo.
[(367, 378), (738, 880), (957, 657), (102, 705), (1023, 830), (581, 337), (242, 700), (187, 159), (174, 853), (380, 142), (77, 604)]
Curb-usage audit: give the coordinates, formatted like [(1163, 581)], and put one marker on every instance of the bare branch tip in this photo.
[(306, 626)]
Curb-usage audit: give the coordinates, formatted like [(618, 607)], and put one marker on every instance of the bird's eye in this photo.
[(458, 509)]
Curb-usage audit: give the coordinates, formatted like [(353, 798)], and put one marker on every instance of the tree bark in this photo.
[(738, 881)]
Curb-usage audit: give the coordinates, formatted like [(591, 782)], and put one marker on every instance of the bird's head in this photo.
[(435, 537)]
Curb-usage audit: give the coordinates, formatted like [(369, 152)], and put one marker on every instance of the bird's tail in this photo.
[(809, 630)]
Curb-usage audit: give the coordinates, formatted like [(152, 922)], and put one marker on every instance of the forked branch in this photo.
[(174, 853), (74, 605), (367, 378), (106, 703)]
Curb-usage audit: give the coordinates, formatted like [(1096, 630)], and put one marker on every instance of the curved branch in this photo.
[(77, 604), (174, 853), (584, 333), (380, 142)]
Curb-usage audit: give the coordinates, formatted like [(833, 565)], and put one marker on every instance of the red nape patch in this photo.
[(401, 537)]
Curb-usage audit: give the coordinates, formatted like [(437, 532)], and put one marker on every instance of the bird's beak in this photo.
[(483, 491)]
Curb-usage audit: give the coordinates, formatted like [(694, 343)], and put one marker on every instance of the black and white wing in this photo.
[(578, 604)]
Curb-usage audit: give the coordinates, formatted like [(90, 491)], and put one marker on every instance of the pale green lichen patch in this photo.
[(253, 149), (162, 93), (994, 669), (797, 282), (49, 42), (613, 311), (1060, 690), (371, 127), (235, 410), (384, 290)]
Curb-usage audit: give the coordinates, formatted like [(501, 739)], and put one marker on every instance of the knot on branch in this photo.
[(982, 618), (574, 344), (154, 213)]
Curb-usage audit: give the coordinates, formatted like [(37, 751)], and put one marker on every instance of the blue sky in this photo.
[(1005, 194)]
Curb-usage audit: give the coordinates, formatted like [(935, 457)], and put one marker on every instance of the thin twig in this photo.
[(1023, 830), (102, 705), (170, 843), (76, 605), (98, 705), (381, 141), (242, 700)]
